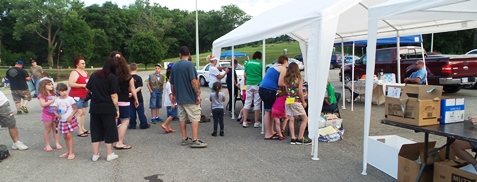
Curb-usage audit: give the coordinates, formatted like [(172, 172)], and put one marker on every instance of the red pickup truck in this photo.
[(452, 72)]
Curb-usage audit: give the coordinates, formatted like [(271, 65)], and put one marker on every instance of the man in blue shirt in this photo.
[(419, 76)]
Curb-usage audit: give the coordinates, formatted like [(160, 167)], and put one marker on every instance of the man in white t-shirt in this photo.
[(214, 75), (8, 120)]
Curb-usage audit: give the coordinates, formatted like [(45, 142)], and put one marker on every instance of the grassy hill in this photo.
[(272, 52)]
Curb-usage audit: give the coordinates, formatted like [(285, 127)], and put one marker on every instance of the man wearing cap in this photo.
[(155, 85), (35, 73), (18, 78)]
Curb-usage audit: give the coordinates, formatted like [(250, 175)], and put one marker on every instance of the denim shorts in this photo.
[(124, 112), (171, 112), (80, 103), (155, 101)]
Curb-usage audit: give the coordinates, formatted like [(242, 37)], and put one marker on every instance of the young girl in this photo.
[(295, 104), (243, 92), (216, 99), (171, 109), (47, 98), (65, 110), (278, 112)]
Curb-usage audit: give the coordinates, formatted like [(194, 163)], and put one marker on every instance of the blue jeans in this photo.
[(37, 84), (140, 112)]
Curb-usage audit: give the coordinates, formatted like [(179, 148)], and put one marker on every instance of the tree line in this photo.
[(52, 31)]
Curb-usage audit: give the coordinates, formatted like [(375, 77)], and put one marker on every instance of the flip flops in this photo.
[(273, 137), (47, 149), (165, 129), (125, 147)]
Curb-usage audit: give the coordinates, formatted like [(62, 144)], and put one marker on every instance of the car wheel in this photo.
[(202, 81), (332, 66), (451, 88), (347, 77)]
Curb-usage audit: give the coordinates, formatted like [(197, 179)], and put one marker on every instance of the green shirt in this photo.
[(331, 93), (253, 71)]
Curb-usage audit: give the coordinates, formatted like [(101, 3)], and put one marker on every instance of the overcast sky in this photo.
[(251, 7)]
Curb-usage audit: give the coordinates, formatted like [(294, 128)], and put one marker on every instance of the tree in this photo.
[(42, 17), (77, 38), (145, 48), (101, 47), (5, 22)]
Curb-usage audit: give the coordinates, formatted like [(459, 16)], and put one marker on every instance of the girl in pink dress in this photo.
[(47, 97)]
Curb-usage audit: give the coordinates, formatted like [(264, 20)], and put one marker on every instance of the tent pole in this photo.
[(432, 42), (398, 56), (263, 75), (352, 81), (343, 75), (423, 57), (233, 85)]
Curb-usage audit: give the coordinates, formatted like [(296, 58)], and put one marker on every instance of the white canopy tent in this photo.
[(422, 16)]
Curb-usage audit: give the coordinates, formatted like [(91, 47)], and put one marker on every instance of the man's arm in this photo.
[(196, 85)]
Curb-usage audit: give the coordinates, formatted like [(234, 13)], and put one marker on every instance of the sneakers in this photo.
[(244, 124), (257, 125), (186, 141), (293, 141), (159, 119), (111, 157), (153, 120), (198, 144), (95, 158), (19, 146), (214, 134), (211, 115), (304, 141), (24, 109), (19, 112), (221, 133)]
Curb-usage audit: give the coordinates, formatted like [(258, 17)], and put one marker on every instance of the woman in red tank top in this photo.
[(77, 81)]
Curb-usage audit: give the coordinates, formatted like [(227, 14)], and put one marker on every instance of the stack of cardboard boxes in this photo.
[(423, 105)]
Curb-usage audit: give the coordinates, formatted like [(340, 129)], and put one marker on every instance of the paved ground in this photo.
[(242, 155)]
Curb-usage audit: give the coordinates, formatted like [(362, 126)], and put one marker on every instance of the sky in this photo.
[(251, 7)]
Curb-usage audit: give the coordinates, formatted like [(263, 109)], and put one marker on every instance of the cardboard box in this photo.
[(386, 148), (414, 104), (452, 110), (408, 167), (448, 171)]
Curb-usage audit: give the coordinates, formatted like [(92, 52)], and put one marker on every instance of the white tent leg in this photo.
[(423, 57), (398, 45), (352, 83), (263, 75), (342, 72), (372, 32), (233, 85)]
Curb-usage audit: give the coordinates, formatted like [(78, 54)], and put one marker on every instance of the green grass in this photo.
[(272, 52)]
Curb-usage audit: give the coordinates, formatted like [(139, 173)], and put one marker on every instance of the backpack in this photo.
[(3, 152)]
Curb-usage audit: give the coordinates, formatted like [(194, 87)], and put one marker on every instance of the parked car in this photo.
[(335, 60), (472, 52), (452, 72), (290, 60), (203, 74), (349, 59)]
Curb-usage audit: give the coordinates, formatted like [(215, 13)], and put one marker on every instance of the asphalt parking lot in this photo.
[(241, 155)]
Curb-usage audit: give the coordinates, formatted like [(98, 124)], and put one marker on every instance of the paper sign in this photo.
[(394, 92), (290, 101), (459, 102)]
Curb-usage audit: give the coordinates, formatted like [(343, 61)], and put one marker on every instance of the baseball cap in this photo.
[(170, 65), (212, 59), (33, 61), (158, 64), (19, 62)]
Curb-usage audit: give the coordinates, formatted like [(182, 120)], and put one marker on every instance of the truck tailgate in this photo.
[(463, 66)]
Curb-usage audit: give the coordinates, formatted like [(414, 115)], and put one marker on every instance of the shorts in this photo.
[(252, 96), (189, 112), (48, 117), (103, 128), (171, 112), (155, 101), (124, 113), (6, 116), (18, 95), (268, 97), (295, 109), (80, 103)]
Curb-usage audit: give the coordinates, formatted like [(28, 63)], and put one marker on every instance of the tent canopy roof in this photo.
[(411, 39), (229, 54)]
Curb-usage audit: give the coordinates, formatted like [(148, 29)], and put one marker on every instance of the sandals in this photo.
[(124, 147), (82, 134), (165, 129), (273, 137)]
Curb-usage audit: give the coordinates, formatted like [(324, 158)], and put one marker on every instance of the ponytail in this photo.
[(216, 87)]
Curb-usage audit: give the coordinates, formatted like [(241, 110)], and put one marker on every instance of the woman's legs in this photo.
[(304, 122), (267, 121), (122, 132), (46, 135), (80, 117)]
